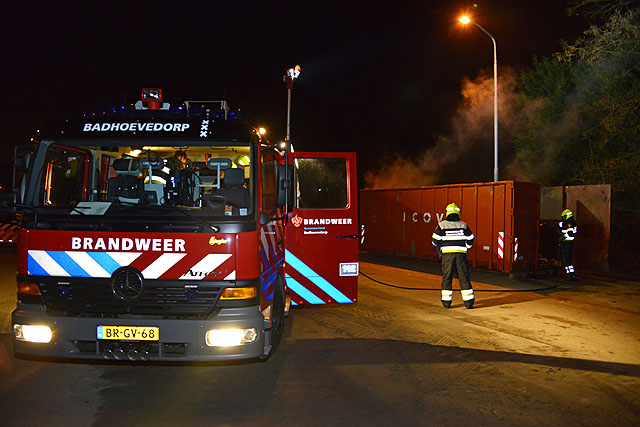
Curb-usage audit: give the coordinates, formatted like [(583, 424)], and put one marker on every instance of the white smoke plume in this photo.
[(466, 153)]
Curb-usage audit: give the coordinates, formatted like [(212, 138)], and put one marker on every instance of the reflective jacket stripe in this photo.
[(452, 237), (569, 229)]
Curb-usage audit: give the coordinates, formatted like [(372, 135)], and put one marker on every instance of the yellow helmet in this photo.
[(566, 214), (452, 208)]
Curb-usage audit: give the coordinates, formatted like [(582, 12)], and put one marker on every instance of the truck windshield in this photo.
[(209, 180)]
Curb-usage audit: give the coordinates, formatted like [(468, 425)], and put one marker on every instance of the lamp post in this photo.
[(290, 75), (466, 20)]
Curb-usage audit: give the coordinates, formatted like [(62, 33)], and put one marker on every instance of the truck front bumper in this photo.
[(178, 339)]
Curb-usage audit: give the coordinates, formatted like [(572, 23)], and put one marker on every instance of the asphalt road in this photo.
[(566, 356)]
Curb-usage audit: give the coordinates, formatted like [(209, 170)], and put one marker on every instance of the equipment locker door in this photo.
[(321, 243)]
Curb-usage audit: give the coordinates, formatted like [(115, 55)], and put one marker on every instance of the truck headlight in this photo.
[(32, 333), (230, 337)]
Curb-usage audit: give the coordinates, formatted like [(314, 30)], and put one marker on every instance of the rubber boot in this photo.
[(469, 304), (446, 304)]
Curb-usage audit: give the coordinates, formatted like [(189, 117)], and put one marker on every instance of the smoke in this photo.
[(542, 161), (465, 154)]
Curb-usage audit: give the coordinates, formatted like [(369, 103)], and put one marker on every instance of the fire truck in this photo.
[(174, 232)]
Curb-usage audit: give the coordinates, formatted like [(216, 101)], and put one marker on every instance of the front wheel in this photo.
[(277, 313)]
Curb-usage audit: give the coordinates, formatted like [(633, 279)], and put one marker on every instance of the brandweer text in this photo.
[(127, 244)]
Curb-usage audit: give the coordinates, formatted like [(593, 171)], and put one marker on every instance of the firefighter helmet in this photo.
[(452, 208), (566, 214)]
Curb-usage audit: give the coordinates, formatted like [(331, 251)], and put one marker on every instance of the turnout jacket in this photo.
[(452, 236)]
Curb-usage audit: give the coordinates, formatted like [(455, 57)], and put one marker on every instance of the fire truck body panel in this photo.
[(160, 234), (322, 234)]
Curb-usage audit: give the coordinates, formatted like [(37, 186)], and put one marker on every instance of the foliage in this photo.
[(600, 8), (545, 132), (580, 113)]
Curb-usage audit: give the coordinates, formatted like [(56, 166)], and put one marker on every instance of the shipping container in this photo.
[(591, 205), (504, 216)]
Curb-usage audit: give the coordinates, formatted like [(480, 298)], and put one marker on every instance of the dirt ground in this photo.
[(565, 356)]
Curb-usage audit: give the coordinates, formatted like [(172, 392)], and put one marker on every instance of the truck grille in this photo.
[(157, 297)]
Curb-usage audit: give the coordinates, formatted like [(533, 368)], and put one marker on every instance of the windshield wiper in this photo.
[(77, 209)]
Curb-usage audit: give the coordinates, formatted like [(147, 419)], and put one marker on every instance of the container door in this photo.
[(321, 244)]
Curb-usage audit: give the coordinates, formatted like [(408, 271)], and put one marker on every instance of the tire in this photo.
[(277, 313), (277, 320)]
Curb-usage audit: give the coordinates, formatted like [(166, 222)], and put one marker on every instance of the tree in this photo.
[(545, 132), (580, 114), (595, 9)]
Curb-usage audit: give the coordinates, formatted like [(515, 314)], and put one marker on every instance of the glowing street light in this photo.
[(290, 75), (466, 20)]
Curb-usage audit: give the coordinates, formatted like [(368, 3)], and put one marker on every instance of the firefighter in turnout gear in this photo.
[(453, 238), (568, 230)]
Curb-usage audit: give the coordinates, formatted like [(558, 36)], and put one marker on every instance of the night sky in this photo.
[(378, 78)]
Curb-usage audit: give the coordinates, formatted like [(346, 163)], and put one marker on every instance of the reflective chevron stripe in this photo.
[(103, 264), (315, 278), (77, 264)]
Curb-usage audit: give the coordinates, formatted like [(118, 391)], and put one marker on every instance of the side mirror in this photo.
[(264, 218), (284, 195), (8, 204)]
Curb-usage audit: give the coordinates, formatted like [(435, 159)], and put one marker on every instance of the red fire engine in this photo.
[(174, 233)]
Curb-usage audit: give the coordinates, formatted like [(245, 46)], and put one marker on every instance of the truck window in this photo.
[(158, 177), (322, 183), (268, 183), (63, 176)]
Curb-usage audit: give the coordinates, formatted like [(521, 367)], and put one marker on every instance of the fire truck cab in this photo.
[(174, 233)]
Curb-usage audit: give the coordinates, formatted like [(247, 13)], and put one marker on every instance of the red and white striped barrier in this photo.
[(362, 234), (9, 232), (501, 246)]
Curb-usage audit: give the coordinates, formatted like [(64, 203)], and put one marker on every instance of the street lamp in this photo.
[(290, 75), (466, 20)]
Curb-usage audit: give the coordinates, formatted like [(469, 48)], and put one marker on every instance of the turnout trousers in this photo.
[(567, 258), (452, 263)]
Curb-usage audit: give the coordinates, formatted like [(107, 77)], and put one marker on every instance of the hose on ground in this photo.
[(439, 289)]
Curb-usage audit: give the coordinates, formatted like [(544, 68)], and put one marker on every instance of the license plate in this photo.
[(128, 333)]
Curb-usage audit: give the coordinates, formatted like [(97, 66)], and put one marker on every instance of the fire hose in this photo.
[(439, 289)]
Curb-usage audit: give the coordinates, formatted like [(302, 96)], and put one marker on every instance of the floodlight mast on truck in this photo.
[(158, 232)]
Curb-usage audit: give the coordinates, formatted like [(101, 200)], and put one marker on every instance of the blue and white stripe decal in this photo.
[(314, 277), (304, 293), (77, 264), (103, 264)]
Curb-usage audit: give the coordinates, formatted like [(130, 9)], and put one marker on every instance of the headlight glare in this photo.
[(230, 337), (32, 333)]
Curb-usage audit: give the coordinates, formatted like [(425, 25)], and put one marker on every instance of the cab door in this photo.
[(321, 235)]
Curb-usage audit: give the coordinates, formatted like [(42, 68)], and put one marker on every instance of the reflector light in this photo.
[(28, 288), (32, 333), (230, 337)]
